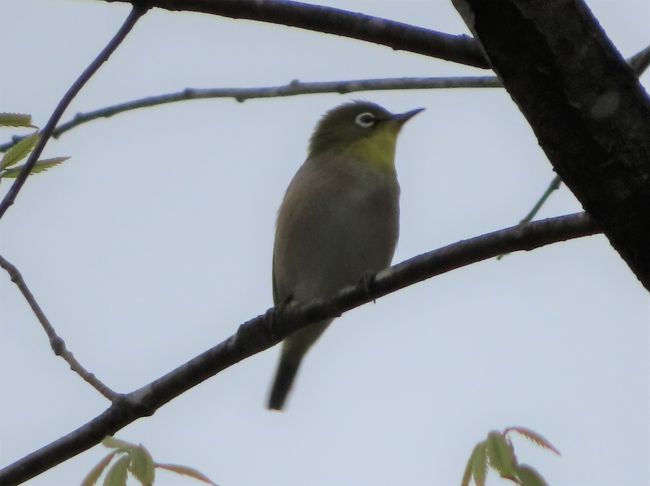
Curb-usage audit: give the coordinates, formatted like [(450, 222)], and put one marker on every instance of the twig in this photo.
[(553, 186), (294, 88), (57, 343), (640, 61), (397, 35), (130, 21), (268, 329)]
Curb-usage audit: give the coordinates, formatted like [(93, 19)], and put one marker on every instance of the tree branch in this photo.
[(585, 105), (268, 329), (399, 36), (639, 63), (294, 88), (56, 343), (46, 133)]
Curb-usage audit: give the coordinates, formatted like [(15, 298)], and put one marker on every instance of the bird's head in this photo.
[(362, 129)]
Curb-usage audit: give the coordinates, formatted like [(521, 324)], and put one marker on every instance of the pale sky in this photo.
[(153, 243)]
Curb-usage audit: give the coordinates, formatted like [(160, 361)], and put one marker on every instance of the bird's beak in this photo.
[(402, 118)]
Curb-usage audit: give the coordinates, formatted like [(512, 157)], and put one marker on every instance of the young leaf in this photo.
[(467, 474), (116, 475), (113, 443), (479, 463), (40, 166), (187, 471), (16, 120), (529, 477), (92, 477), (142, 466), (19, 151), (500, 455), (533, 437)]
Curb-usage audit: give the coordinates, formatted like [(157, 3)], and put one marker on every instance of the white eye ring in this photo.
[(365, 119)]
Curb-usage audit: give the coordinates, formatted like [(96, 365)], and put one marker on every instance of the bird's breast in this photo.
[(331, 231)]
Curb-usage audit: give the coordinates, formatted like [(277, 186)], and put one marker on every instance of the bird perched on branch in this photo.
[(338, 221)]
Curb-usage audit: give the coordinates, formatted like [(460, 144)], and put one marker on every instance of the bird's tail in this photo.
[(284, 376)]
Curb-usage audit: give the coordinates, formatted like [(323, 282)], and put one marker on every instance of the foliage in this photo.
[(23, 148), (497, 452), (134, 460)]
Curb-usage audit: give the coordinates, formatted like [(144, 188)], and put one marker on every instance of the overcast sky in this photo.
[(153, 243)]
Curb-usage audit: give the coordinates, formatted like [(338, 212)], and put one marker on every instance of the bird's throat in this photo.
[(378, 151)]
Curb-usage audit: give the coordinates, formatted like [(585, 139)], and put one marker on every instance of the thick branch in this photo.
[(46, 133), (270, 328), (585, 105), (457, 48)]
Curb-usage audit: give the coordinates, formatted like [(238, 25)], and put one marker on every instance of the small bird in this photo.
[(338, 221)]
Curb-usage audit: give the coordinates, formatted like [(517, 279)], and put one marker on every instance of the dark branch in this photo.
[(294, 88), (585, 105), (46, 133), (399, 36), (56, 342), (268, 329), (640, 61)]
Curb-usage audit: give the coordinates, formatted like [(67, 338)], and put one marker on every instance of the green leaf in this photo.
[(142, 466), (40, 166), (19, 151), (186, 471), (467, 475), (479, 463), (113, 443), (501, 456), (92, 477), (16, 120), (533, 437), (529, 476), (116, 475)]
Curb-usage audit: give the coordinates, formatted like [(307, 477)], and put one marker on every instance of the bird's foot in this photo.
[(274, 315)]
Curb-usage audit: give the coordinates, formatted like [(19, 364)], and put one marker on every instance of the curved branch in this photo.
[(403, 37), (56, 342), (268, 329), (293, 88), (83, 78)]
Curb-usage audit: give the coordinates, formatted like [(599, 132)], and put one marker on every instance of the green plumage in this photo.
[(339, 219)]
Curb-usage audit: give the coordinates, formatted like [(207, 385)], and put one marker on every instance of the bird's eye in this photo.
[(365, 120)]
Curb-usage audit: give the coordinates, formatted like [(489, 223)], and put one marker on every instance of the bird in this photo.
[(338, 222)]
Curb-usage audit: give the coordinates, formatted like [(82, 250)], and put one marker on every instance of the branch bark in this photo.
[(79, 83), (270, 328), (397, 35), (585, 105), (56, 342)]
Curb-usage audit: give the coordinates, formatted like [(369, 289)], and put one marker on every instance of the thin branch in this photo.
[(268, 329), (553, 186), (56, 343), (397, 35), (128, 24), (294, 88), (640, 61)]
